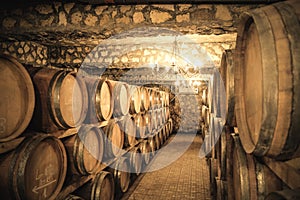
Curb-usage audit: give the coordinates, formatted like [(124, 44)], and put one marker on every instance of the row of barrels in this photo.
[(261, 78), (50, 99), (38, 167), (235, 174)]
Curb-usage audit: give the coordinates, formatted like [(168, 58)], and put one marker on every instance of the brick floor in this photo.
[(186, 178)]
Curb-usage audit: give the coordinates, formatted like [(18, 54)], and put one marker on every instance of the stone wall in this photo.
[(130, 52), (27, 52), (75, 24)]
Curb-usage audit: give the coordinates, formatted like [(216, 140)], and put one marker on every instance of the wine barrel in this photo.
[(165, 132), (205, 115), (161, 133), (171, 126), (159, 119), (251, 179), (204, 97), (17, 98), (114, 140), (121, 98), (145, 151), (148, 124), (61, 99), (157, 140), (120, 170), (153, 120), (85, 150), (152, 98), (221, 192), (268, 112), (152, 144), (145, 99), (227, 74), (213, 173), (98, 188), (167, 99), (162, 95), (158, 99), (100, 100), (287, 194), (167, 113), (221, 152), (140, 126), (136, 160), (135, 100), (129, 131), (35, 170)]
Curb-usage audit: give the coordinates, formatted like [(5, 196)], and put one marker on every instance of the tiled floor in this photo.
[(186, 178)]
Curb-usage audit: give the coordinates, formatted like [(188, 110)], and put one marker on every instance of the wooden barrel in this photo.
[(287, 194), (167, 99), (204, 97), (167, 113), (120, 170), (158, 99), (136, 160), (162, 95), (251, 179), (157, 140), (147, 123), (163, 115), (121, 98), (171, 126), (61, 99), (101, 102), (205, 115), (152, 144), (268, 112), (213, 173), (165, 132), (85, 150), (145, 151), (221, 192), (161, 133), (221, 152), (114, 140), (98, 188), (153, 120), (145, 99), (17, 98), (152, 98), (140, 126), (129, 131), (159, 118), (227, 74), (35, 170), (135, 100)]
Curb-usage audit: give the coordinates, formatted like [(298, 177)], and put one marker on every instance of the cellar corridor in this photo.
[(186, 178)]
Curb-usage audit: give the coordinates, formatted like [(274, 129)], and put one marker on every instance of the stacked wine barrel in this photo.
[(261, 78), (63, 135)]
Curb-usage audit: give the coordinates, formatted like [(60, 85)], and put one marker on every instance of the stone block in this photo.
[(44, 9), (223, 13), (159, 17), (138, 17), (183, 18)]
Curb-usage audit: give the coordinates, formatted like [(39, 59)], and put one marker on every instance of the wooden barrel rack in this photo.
[(105, 117)]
